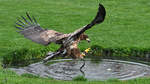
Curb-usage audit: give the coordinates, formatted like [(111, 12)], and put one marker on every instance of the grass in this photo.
[(29, 75), (126, 25), (8, 77), (79, 78)]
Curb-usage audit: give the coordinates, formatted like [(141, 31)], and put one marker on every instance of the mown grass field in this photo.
[(126, 25)]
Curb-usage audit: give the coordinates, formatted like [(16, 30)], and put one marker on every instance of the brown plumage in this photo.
[(32, 30), (73, 50)]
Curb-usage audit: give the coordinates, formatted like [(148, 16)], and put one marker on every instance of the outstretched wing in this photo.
[(97, 20), (32, 30)]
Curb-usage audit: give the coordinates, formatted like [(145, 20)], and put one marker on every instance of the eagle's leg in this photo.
[(62, 48), (68, 48), (51, 56), (60, 52), (73, 51)]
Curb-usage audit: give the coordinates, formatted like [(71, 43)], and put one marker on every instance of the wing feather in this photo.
[(32, 30), (99, 18)]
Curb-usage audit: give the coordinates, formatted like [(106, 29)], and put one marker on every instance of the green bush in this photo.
[(120, 53), (24, 56)]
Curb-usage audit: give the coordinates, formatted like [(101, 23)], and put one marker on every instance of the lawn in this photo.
[(8, 77), (126, 25)]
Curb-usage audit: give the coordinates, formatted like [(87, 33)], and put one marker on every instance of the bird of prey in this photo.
[(30, 29)]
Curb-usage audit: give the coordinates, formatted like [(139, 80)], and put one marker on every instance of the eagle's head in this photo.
[(84, 37)]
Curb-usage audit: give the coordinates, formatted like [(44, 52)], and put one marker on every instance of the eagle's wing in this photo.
[(97, 20), (32, 30)]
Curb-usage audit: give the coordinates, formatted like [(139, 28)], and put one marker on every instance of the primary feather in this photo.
[(34, 32)]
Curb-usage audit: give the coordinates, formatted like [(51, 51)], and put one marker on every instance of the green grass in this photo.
[(79, 78), (29, 75), (9, 77), (126, 25)]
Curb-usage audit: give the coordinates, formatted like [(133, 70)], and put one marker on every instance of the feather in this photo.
[(100, 15), (19, 27), (20, 21), (34, 19), (25, 20), (19, 24), (29, 16), (97, 20), (42, 36)]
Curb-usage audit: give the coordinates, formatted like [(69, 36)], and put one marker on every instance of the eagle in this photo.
[(30, 29)]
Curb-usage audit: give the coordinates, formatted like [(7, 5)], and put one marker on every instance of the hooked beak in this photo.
[(88, 40)]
